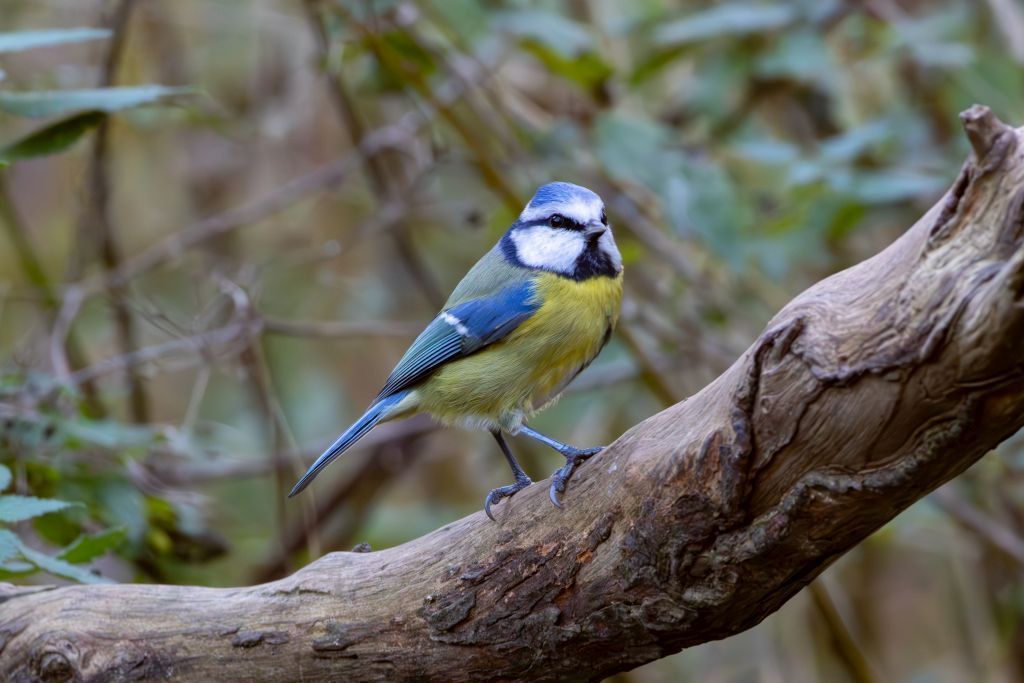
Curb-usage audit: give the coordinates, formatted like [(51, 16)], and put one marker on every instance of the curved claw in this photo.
[(553, 493), (496, 495), (560, 479), (489, 501)]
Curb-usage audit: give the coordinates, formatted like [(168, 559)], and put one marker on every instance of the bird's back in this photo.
[(488, 275)]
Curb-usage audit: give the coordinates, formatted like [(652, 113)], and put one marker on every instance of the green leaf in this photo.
[(60, 530), (20, 508), (561, 34), (58, 567), (15, 568), (587, 69), (5, 477), (86, 548), (803, 55), (40, 103), (853, 143), (123, 506), (898, 185), (52, 139), (13, 554), (27, 40), (735, 19), (105, 433), (9, 545), (768, 151)]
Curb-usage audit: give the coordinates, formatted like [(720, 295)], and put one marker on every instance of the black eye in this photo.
[(604, 217), (557, 220)]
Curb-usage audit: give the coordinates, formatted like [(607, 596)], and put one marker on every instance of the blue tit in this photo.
[(524, 321)]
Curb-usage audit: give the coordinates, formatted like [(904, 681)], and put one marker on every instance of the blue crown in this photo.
[(560, 193)]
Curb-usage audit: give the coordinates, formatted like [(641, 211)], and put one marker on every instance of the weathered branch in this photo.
[(865, 393)]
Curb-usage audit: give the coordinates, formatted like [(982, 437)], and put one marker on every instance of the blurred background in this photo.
[(202, 283)]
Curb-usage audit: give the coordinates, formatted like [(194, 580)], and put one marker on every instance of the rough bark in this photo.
[(866, 392)]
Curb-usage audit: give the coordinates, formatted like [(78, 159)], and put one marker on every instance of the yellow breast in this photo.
[(568, 330), (502, 383)]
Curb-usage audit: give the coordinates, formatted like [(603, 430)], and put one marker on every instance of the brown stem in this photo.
[(98, 224), (989, 530), (843, 643)]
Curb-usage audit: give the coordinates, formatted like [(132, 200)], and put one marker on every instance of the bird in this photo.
[(527, 318)]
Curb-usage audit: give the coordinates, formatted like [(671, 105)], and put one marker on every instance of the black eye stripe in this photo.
[(557, 220), (568, 223)]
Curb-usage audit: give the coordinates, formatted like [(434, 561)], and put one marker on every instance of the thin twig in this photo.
[(456, 58), (1009, 17), (353, 494), (60, 336), (98, 224), (649, 373), (283, 456), (340, 329), (72, 352), (194, 471), (373, 163), (989, 530), (394, 63), (195, 399), (243, 327), (210, 343), (330, 175), (323, 178), (843, 644)]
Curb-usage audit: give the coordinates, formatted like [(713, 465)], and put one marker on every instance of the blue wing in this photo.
[(461, 330)]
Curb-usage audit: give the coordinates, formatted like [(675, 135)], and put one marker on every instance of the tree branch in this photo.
[(864, 394)]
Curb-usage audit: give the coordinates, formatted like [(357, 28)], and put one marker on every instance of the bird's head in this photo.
[(564, 230)]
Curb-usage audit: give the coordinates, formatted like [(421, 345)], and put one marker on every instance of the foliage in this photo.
[(88, 106), (52, 139), (42, 103), (18, 559), (27, 40)]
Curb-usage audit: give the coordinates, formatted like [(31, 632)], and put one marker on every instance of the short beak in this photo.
[(595, 229)]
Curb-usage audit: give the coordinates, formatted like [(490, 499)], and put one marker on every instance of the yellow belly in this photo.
[(502, 384)]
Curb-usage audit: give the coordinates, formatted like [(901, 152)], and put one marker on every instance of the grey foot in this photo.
[(573, 458), (505, 492)]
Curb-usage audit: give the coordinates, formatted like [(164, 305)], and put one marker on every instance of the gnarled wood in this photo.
[(865, 393)]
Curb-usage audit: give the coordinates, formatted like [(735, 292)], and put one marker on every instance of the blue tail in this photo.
[(357, 431)]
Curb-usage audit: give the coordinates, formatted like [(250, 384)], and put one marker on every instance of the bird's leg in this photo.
[(522, 481), (573, 457)]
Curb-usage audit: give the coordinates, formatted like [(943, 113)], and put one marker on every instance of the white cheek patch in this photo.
[(547, 248), (606, 243), (578, 209)]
